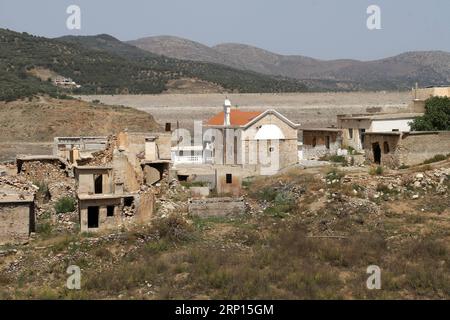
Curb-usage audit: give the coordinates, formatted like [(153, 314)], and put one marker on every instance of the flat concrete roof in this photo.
[(103, 196), (155, 161), (38, 157), (16, 198), (385, 116), (321, 129), (93, 168), (410, 133), (386, 133)]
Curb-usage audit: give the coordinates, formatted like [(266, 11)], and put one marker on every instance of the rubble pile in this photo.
[(42, 171), (52, 184), (409, 185), (17, 184), (167, 193), (104, 156)]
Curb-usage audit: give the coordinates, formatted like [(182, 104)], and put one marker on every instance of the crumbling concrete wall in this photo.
[(416, 148), (151, 175), (315, 143), (140, 210), (407, 148), (199, 192), (62, 146), (126, 173), (389, 155), (104, 221), (16, 222), (85, 180), (216, 207), (145, 204)]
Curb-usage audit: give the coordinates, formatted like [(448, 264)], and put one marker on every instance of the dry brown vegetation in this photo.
[(299, 242), (44, 118)]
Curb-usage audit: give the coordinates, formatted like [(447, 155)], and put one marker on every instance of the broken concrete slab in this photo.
[(216, 207)]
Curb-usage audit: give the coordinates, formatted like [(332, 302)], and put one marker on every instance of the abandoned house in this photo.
[(395, 149), (76, 148), (148, 153), (104, 201), (17, 217), (354, 126), (319, 142)]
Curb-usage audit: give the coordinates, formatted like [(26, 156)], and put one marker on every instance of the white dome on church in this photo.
[(269, 132)]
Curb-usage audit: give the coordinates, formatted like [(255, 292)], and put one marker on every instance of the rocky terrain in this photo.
[(307, 234)]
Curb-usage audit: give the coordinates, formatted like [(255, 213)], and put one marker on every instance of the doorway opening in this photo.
[(376, 152), (93, 217), (98, 184)]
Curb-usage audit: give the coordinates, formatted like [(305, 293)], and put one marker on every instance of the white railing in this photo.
[(188, 159)]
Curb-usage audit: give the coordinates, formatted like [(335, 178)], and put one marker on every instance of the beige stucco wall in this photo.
[(144, 205), (235, 187), (288, 147), (426, 93), (131, 176), (415, 149), (320, 149), (85, 180), (354, 142), (105, 222)]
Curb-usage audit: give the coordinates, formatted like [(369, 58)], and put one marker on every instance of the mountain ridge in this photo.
[(104, 64), (397, 72)]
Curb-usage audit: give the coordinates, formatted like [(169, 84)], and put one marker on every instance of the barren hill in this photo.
[(42, 119), (398, 72)]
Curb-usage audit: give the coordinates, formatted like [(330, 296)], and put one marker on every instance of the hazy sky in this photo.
[(326, 29)]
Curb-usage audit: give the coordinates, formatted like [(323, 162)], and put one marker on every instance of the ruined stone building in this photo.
[(355, 126), (395, 149), (148, 153), (76, 148), (318, 142), (17, 211), (117, 192), (106, 199)]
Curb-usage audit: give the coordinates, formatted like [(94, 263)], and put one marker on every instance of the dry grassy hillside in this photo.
[(42, 119)]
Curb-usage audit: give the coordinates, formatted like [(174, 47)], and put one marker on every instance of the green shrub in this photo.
[(436, 117), (335, 158), (189, 184), (378, 170), (174, 227), (334, 174), (436, 158), (65, 204), (267, 194), (44, 229)]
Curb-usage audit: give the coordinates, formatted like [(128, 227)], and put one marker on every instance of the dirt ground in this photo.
[(9, 150), (308, 109)]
